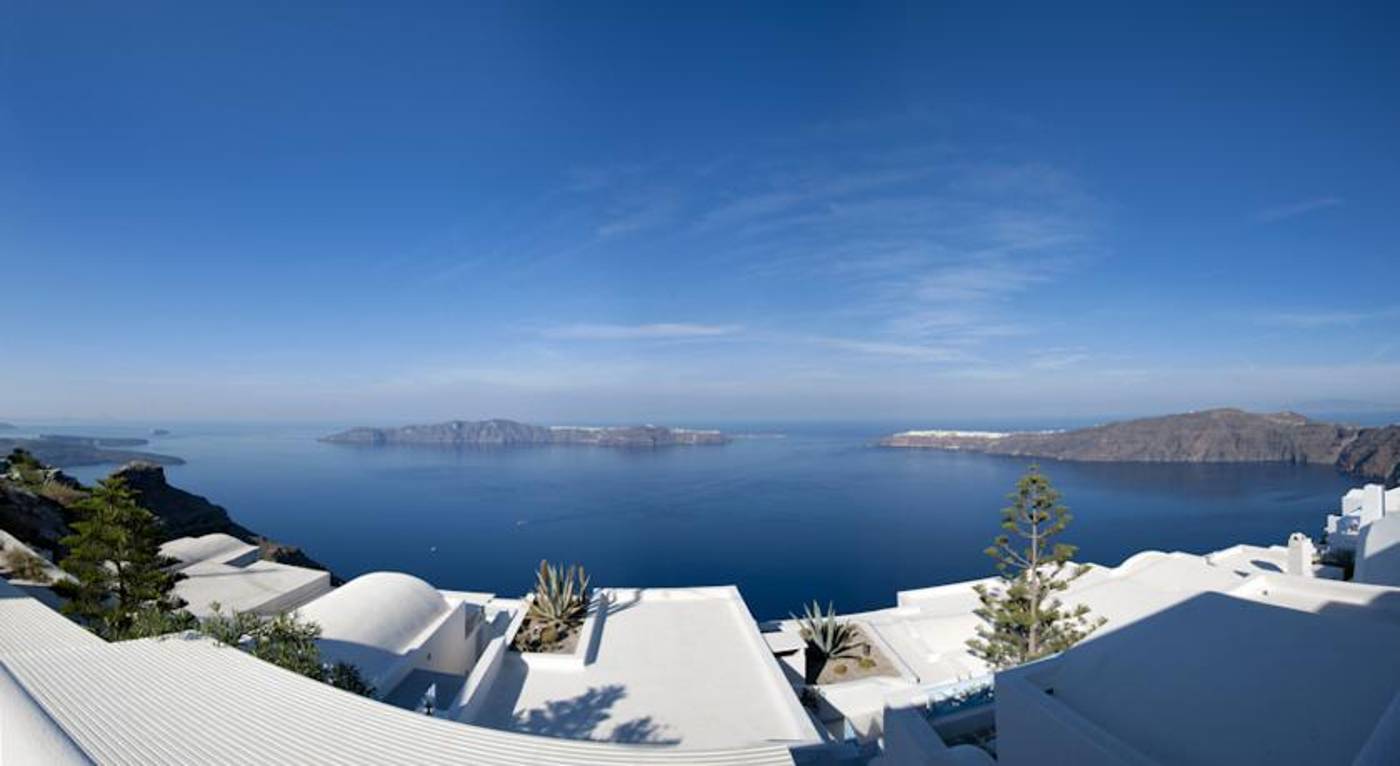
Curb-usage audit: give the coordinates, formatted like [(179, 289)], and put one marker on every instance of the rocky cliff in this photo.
[(501, 433), (36, 510), (32, 517), (1211, 436), (186, 514), (1374, 453)]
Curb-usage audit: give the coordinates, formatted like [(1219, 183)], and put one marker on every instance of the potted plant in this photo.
[(827, 638), (559, 607)]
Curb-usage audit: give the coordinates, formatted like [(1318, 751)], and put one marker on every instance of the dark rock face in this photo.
[(34, 519), (1374, 453), (1212, 436), (503, 433), (186, 514)]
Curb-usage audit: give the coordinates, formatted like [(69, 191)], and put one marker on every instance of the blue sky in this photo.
[(622, 212)]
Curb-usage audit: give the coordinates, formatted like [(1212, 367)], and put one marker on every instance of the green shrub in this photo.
[(24, 565), (285, 641)]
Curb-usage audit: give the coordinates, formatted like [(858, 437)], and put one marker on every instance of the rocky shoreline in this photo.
[(71, 451), (1210, 436)]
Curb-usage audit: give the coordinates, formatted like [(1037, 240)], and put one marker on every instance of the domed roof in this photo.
[(385, 610)]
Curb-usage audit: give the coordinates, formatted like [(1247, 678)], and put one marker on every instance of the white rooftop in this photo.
[(220, 568), (264, 587), (930, 627), (380, 610), (27, 625), (375, 619), (1224, 679), (216, 546), (182, 700), (679, 666)]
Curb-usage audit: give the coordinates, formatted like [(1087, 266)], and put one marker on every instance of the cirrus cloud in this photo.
[(654, 331)]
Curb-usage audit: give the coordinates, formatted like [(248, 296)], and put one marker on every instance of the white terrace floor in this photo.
[(928, 631), (676, 666)]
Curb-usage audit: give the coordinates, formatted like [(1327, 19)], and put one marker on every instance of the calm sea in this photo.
[(814, 513)]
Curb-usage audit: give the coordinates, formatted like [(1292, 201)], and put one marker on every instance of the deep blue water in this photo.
[(817, 514)]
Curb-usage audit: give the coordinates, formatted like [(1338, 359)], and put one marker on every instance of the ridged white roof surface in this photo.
[(27, 625), (185, 700)]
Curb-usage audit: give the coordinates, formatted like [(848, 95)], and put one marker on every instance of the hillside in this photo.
[(1210, 436), (506, 433), (35, 509), (185, 514)]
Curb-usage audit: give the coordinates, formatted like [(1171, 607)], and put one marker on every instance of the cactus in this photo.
[(560, 605), (827, 638)]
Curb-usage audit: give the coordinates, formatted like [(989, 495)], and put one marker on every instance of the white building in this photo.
[(926, 633), (221, 569), (1359, 507), (1283, 671), (1378, 552), (403, 635), (68, 698), (1249, 655)]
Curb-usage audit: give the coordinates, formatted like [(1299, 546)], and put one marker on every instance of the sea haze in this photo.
[(817, 513)]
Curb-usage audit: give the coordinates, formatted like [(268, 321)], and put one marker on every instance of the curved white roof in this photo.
[(383, 610), (183, 699), (215, 545)]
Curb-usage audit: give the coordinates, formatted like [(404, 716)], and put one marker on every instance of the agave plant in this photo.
[(560, 604), (827, 638)]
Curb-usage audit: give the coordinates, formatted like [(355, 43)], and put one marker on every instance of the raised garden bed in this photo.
[(868, 661), (577, 646)]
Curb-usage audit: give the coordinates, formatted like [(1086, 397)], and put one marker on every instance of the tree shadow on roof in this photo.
[(579, 717)]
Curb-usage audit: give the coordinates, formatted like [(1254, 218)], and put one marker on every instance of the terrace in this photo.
[(684, 667)]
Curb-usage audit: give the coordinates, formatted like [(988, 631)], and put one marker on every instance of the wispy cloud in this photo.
[(1059, 358), (911, 252), (1284, 212), (1312, 320), (977, 281), (657, 331), (899, 350)]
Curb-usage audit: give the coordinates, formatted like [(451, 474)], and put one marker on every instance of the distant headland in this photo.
[(71, 451), (510, 433), (1209, 436)]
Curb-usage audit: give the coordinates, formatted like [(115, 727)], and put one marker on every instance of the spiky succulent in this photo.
[(560, 603), (831, 637)]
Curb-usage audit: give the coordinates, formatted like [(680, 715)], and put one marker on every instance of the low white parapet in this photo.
[(587, 647), (477, 687)]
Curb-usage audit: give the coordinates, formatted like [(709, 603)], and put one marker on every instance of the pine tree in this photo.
[(119, 576), (1023, 619)]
